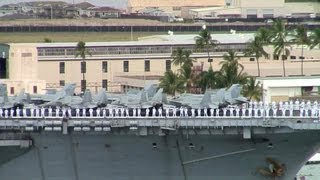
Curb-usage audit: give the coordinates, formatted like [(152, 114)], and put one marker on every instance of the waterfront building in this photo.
[(118, 66)]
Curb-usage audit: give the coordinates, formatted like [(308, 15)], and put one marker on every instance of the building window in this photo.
[(125, 66), (83, 67), (35, 89), (176, 8), (105, 84), (105, 66), (62, 67), (11, 90), (147, 65), (168, 65), (62, 83), (83, 85)]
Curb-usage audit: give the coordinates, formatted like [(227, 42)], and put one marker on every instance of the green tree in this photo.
[(300, 37), (264, 35), (231, 70), (252, 89), (47, 40), (315, 38), (255, 48), (209, 79), (205, 41), (171, 83), (82, 51), (279, 35)]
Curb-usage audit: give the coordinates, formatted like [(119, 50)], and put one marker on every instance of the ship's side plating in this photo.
[(182, 154)]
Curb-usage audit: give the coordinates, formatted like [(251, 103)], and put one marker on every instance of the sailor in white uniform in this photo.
[(127, 112), (6, 113), (186, 112), (24, 112), (77, 112), (98, 110), (315, 107), (18, 112), (110, 112), (217, 112), (211, 112), (84, 112), (69, 112), (37, 112), (181, 111), (199, 112), (274, 109), (1, 113), (121, 111), (139, 112), (153, 112), (57, 111), (205, 112), (42, 112), (50, 111), (116, 112), (63, 112), (134, 112), (104, 112), (91, 112), (231, 111), (167, 112), (224, 112), (267, 109), (192, 112), (174, 112), (160, 112), (11, 113), (296, 105), (302, 106)]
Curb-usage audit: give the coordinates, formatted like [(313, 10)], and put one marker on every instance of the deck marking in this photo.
[(218, 156)]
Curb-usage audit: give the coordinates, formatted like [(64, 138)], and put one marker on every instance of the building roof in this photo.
[(222, 38), (84, 5), (103, 9), (164, 40), (174, 3)]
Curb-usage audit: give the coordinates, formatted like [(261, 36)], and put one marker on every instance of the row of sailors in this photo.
[(296, 105), (167, 112)]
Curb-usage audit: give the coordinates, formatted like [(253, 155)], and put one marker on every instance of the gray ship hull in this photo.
[(178, 157)]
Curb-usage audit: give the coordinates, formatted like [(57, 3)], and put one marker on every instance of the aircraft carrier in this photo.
[(224, 145)]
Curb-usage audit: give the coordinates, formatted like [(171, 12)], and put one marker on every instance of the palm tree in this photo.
[(171, 83), (255, 48), (209, 79), (82, 52), (178, 56), (264, 35), (205, 41), (279, 36), (315, 38), (300, 37), (231, 70), (252, 90)]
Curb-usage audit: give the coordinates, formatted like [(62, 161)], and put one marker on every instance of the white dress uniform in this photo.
[(18, 112), (160, 112), (77, 112), (167, 112), (50, 111), (147, 112)]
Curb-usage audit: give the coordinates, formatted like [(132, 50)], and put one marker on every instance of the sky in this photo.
[(111, 3)]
